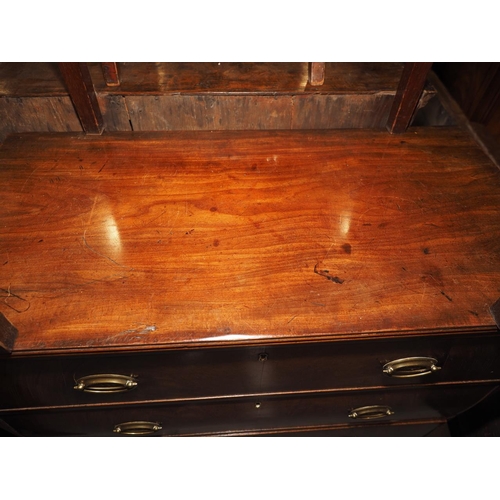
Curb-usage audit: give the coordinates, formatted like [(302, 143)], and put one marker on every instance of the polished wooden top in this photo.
[(214, 238)]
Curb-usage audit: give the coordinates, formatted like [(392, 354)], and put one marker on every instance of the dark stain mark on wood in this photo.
[(216, 243), (426, 251), (447, 296), (347, 248), (474, 313), (190, 231), (326, 274), (213, 209)]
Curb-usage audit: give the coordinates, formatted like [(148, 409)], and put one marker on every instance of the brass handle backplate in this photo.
[(106, 383), (139, 428), (411, 367), (370, 412)]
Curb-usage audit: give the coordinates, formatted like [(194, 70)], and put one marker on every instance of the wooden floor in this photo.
[(211, 96)]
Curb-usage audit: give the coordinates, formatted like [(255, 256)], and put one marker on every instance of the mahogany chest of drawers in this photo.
[(247, 283)]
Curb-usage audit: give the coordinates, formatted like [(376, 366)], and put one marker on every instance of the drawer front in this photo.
[(248, 414), (365, 364), (184, 374), (205, 373)]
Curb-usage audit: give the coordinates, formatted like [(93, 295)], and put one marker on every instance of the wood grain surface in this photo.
[(218, 238), (205, 96), (44, 79), (248, 78)]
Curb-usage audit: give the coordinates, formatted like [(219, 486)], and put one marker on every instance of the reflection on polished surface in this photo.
[(113, 233), (101, 234), (345, 223)]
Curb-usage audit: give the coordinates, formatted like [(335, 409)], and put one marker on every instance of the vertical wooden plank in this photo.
[(110, 72), (409, 91), (82, 93), (316, 73)]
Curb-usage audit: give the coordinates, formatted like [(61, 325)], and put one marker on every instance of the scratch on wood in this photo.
[(27, 303), (142, 330), (169, 231), (328, 251), (92, 210), (423, 292), (154, 218), (100, 254), (28, 178)]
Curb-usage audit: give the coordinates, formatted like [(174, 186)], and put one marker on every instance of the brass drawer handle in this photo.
[(411, 367), (369, 412), (106, 383), (139, 428)]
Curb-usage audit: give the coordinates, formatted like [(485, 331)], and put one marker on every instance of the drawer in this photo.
[(246, 414), (170, 375), (206, 373), (363, 364)]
